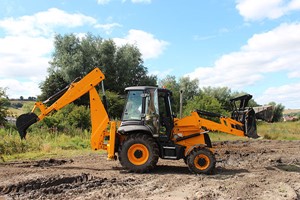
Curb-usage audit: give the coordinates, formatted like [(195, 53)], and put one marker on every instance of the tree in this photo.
[(189, 87), (115, 104), (75, 57), (204, 102), (128, 70), (3, 108), (54, 83), (222, 94), (170, 83), (277, 111), (32, 98)]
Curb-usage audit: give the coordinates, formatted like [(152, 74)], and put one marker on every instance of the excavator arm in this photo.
[(99, 116)]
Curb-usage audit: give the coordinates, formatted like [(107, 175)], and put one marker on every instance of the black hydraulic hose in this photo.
[(61, 92), (104, 99), (209, 114)]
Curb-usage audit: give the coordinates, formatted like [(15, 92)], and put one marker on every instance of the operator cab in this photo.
[(147, 109)]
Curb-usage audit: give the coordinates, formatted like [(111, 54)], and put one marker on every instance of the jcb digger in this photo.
[(148, 129)]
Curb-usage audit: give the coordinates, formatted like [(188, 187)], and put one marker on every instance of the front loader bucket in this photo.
[(250, 124), (24, 121)]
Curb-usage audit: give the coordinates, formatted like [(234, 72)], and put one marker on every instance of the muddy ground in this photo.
[(259, 169)]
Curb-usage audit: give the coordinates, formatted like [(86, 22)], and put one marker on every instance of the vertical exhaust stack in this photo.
[(24, 121), (181, 102)]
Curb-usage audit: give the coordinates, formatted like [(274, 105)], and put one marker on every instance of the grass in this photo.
[(269, 131), (216, 136), (42, 144), (280, 131), (14, 111), (27, 106), (54, 153)]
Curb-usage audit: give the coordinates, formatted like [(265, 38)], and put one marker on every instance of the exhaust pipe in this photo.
[(24, 121)]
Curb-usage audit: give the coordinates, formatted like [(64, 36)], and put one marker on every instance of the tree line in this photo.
[(123, 67)]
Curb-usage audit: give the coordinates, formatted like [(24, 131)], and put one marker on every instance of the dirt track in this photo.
[(246, 170)]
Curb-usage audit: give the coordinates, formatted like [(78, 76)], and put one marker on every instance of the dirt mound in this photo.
[(259, 169)]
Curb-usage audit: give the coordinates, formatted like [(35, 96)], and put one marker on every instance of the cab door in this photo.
[(152, 111), (165, 112)]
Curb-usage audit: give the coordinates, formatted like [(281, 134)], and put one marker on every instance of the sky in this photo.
[(246, 45)]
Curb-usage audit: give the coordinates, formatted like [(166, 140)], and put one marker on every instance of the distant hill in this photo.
[(16, 107), (290, 111)]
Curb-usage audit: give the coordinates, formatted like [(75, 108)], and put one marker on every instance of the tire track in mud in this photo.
[(59, 187), (40, 163)]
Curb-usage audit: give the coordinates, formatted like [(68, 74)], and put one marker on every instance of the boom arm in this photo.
[(99, 116), (75, 91)]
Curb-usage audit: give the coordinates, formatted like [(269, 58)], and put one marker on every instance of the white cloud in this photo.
[(141, 1), (26, 48), (161, 74), (16, 88), (138, 1), (286, 94), (23, 57), (43, 23), (277, 50), (108, 27), (103, 2), (271, 9), (149, 46)]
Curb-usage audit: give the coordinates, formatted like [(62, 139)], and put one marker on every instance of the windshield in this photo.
[(133, 108)]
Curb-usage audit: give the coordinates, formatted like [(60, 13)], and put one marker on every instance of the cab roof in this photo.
[(147, 88), (140, 88)]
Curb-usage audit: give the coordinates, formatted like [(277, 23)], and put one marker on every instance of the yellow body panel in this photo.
[(194, 124), (112, 141)]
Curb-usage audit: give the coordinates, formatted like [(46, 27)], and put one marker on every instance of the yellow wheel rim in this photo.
[(138, 154), (201, 162)]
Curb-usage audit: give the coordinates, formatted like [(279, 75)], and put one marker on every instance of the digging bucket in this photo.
[(250, 124), (24, 121)]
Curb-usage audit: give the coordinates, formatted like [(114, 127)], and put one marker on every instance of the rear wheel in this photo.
[(201, 161), (139, 153)]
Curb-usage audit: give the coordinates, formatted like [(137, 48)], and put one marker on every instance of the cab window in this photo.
[(133, 108)]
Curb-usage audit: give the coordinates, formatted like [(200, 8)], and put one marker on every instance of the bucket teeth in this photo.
[(24, 121)]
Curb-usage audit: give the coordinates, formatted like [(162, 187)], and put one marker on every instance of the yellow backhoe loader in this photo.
[(148, 129)]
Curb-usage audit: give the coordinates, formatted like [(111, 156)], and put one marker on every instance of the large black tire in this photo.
[(139, 153), (201, 161)]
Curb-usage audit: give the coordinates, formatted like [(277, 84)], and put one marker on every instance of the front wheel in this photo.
[(139, 153), (201, 161)]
